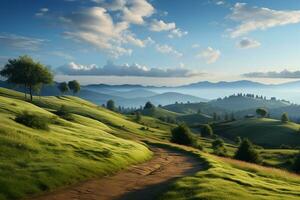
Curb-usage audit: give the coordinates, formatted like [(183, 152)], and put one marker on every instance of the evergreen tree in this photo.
[(246, 152)]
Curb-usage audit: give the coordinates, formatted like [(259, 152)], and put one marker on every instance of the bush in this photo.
[(32, 121), (246, 152), (64, 113), (182, 135), (284, 118), (206, 130), (261, 111), (219, 147)]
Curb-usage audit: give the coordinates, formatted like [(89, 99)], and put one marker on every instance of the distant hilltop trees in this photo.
[(253, 96)]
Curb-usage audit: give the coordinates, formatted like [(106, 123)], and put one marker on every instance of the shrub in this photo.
[(206, 130), (182, 135), (219, 147), (110, 105), (149, 105), (246, 152), (238, 140), (284, 118), (32, 121), (261, 111), (64, 113)]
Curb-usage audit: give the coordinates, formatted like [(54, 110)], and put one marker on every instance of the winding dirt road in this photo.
[(140, 182)]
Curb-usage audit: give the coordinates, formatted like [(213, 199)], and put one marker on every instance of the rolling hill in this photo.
[(70, 151), (261, 131)]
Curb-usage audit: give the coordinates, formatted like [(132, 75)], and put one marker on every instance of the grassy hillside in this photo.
[(66, 153), (264, 132), (192, 119), (223, 178), (191, 108)]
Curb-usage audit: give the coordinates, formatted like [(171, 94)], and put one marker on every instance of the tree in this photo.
[(149, 105), (74, 86), (25, 71), (110, 105), (246, 152), (238, 140), (219, 147), (182, 135), (297, 163), (261, 112), (206, 130), (63, 87), (284, 118)]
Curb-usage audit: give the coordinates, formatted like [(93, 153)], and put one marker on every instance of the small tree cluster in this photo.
[(149, 105), (182, 135), (74, 86), (246, 152), (110, 105)]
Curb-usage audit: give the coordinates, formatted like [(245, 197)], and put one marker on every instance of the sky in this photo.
[(155, 42)]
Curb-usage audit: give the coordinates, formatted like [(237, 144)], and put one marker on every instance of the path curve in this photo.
[(140, 182)]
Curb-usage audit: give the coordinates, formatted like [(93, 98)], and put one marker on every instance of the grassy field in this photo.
[(227, 179), (262, 131), (32, 160)]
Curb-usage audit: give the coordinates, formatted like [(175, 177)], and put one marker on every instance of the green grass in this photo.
[(227, 179), (263, 131), (33, 160), (193, 119)]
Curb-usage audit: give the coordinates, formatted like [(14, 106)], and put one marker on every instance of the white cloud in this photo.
[(220, 3), (111, 69), (166, 49), (160, 25), (42, 12), (210, 55), (248, 43), (273, 74), (95, 26), (21, 42), (260, 18)]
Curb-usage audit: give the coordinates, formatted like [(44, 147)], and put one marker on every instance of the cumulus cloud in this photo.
[(111, 69), (274, 74), (21, 42), (166, 49), (260, 18), (160, 25), (248, 43), (210, 55), (95, 26)]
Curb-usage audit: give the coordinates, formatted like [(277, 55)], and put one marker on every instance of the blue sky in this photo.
[(157, 42)]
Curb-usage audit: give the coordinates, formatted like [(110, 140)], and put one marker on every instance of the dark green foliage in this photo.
[(63, 87), (74, 86), (297, 163), (284, 118), (32, 121), (25, 71), (219, 147), (261, 112), (246, 152), (64, 113), (206, 130), (149, 105), (238, 140), (110, 105), (182, 135)]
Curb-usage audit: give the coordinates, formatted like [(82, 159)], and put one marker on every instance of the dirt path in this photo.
[(144, 181)]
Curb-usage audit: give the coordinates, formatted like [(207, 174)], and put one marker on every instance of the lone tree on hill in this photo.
[(246, 152), (284, 118), (149, 105), (74, 86), (206, 130), (25, 71), (110, 105), (261, 112), (63, 87)]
